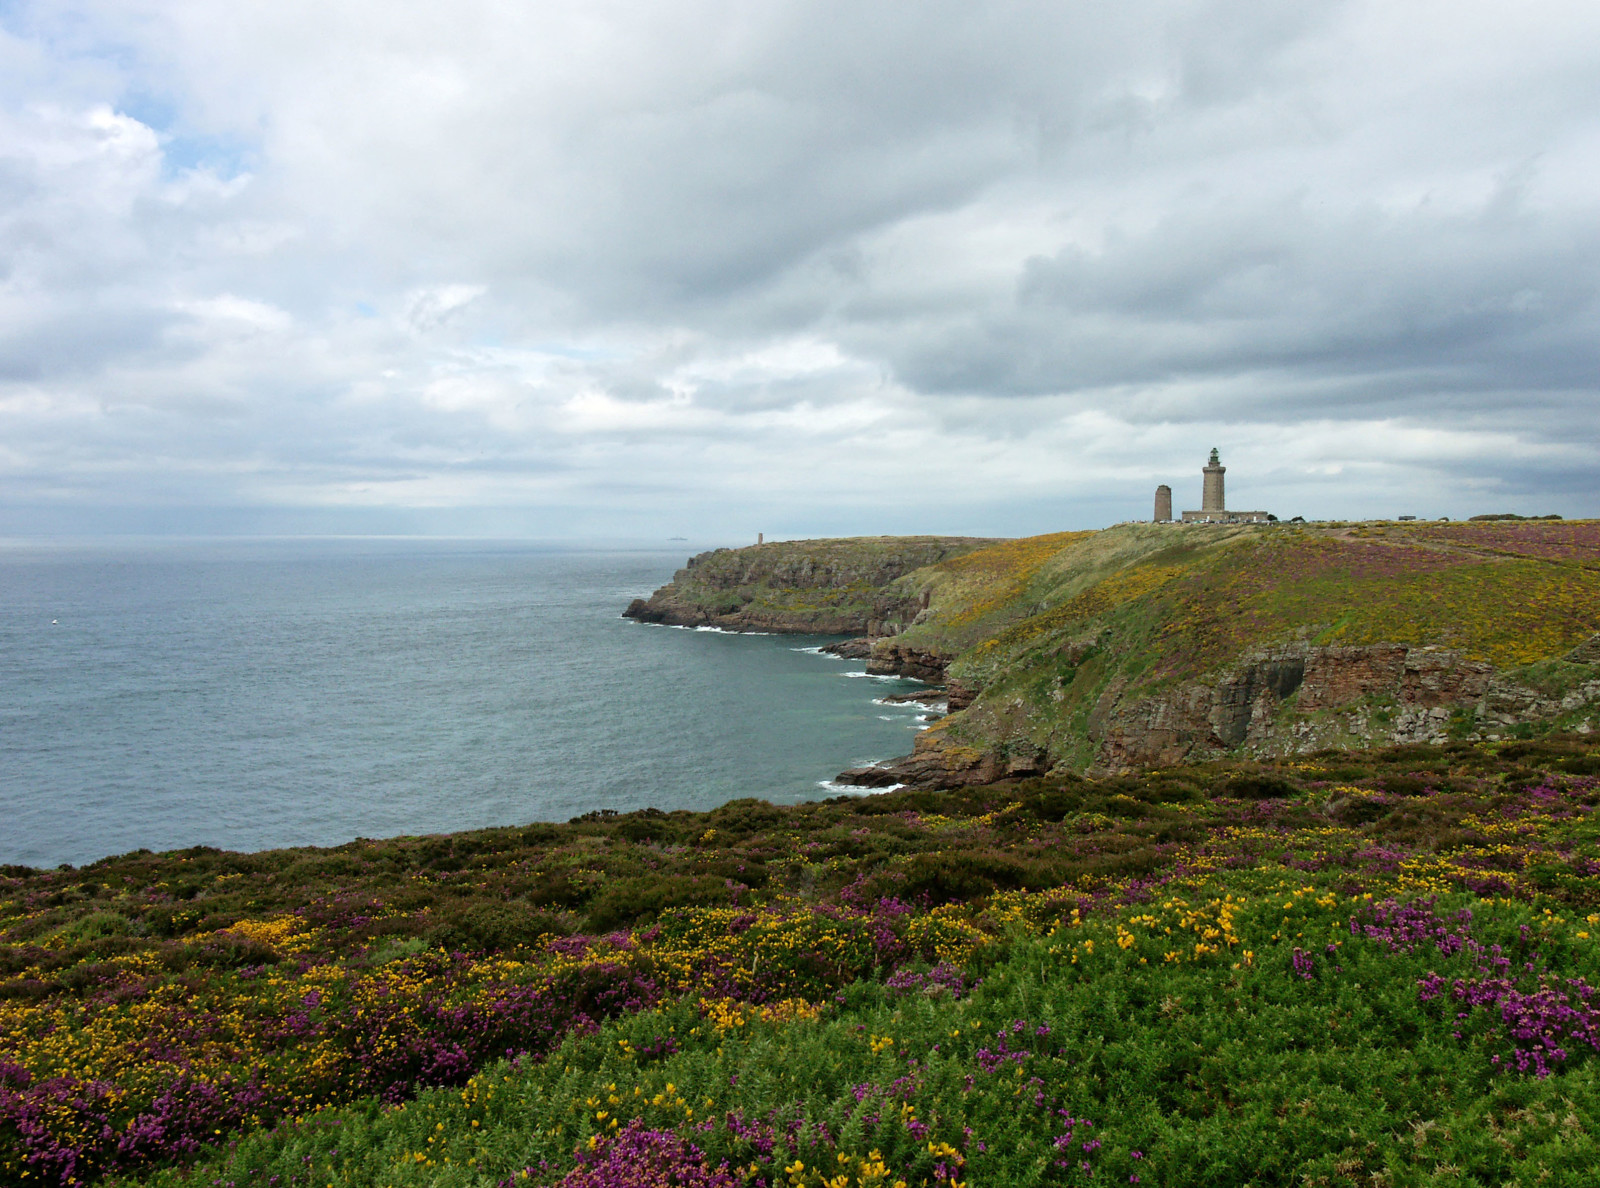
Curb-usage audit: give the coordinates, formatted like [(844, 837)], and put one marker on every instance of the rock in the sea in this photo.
[(934, 763), (891, 657), (930, 697)]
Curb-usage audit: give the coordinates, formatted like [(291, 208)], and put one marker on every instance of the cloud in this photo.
[(626, 269)]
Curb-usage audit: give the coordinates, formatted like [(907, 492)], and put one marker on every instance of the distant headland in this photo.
[(1136, 646)]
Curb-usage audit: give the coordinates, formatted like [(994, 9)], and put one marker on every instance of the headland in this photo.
[(1146, 645)]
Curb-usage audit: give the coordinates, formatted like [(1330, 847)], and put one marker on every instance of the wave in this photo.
[(687, 627), (854, 790)]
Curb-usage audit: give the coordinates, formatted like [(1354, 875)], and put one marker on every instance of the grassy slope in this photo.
[(1046, 625), (1149, 924)]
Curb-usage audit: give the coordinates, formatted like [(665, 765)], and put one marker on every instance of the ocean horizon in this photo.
[(256, 693)]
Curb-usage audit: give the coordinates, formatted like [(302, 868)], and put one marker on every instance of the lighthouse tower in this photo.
[(1211, 498), (1213, 505)]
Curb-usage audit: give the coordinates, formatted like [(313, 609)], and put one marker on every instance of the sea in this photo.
[(256, 694)]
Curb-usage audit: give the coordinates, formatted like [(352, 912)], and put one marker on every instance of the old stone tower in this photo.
[(1211, 497), (1213, 504), (1163, 504)]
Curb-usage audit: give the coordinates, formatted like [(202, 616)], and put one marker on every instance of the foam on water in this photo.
[(855, 790), (706, 627)]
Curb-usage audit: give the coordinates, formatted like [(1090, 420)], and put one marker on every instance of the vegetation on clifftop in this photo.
[(1336, 967), (1138, 609), (1373, 968)]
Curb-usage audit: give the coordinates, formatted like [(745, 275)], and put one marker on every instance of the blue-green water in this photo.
[(274, 694)]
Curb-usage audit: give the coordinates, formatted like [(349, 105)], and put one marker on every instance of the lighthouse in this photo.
[(1211, 497), (1213, 502)]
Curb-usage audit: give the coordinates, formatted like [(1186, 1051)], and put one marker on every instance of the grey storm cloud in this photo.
[(615, 268), (1485, 301)]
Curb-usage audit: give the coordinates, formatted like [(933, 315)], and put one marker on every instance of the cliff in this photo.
[(822, 587), (1147, 645)]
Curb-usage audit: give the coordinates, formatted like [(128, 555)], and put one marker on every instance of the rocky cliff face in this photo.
[(1275, 701), (1280, 701), (822, 587)]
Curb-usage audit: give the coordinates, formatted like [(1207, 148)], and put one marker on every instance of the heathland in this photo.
[(1343, 968), (1141, 926)]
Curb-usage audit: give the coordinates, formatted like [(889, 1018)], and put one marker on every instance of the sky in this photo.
[(622, 270)]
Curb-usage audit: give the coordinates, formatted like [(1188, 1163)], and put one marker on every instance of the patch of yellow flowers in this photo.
[(850, 1171)]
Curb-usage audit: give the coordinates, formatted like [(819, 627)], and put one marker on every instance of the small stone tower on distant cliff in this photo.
[(1163, 504), (1211, 498)]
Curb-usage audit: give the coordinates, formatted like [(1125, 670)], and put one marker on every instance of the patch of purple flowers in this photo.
[(1404, 927), (941, 978), (636, 1157), (1545, 1020), (1303, 964), (1544, 1023)]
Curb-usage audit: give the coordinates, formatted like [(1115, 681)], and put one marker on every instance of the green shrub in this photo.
[(646, 829), (627, 902), (493, 927), (951, 876), (95, 926), (1259, 787)]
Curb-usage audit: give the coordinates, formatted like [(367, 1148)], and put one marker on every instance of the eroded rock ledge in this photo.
[(937, 763)]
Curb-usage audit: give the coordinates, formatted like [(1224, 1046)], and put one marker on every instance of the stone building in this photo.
[(1163, 504), (1213, 502)]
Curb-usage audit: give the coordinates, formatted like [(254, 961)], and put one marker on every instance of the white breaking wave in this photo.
[(854, 790), (686, 627)]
